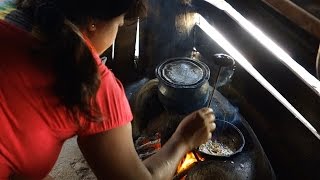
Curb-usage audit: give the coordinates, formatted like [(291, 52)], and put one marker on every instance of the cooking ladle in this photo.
[(221, 60)]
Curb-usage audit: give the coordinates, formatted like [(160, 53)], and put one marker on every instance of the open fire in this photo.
[(186, 164)]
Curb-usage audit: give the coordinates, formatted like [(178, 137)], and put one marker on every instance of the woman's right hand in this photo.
[(197, 128)]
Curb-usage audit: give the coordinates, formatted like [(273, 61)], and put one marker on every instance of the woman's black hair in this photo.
[(76, 71)]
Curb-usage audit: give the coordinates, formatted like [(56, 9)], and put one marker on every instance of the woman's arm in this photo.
[(112, 155)]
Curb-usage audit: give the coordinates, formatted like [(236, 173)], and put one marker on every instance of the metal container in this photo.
[(227, 135), (183, 84)]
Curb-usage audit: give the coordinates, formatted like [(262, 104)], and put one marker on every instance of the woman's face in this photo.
[(103, 33)]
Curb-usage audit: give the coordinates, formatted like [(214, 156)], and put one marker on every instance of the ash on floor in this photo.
[(71, 164)]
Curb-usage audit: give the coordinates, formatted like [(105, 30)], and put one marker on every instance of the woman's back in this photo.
[(32, 128)]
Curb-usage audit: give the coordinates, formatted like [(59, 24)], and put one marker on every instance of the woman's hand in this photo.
[(196, 128)]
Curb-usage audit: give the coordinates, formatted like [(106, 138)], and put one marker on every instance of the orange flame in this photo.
[(187, 161)]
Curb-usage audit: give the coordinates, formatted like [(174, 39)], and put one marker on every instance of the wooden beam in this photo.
[(318, 64), (297, 15)]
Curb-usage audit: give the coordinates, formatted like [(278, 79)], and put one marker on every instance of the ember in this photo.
[(148, 145)]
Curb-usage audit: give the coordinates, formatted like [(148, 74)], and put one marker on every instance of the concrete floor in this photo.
[(71, 164)]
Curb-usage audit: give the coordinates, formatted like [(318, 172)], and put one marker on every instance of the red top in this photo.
[(33, 123)]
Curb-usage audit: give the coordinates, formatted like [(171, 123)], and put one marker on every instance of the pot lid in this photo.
[(183, 73)]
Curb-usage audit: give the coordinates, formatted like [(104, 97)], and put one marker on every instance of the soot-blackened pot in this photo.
[(183, 84)]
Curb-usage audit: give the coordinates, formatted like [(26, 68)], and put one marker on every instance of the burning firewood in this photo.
[(148, 145)]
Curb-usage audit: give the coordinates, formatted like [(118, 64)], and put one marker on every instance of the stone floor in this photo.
[(71, 164)]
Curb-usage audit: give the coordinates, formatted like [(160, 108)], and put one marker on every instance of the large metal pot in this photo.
[(183, 84)]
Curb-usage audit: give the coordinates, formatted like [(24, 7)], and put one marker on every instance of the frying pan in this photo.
[(228, 135)]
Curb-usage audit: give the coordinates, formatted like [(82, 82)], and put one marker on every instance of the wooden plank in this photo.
[(297, 15), (318, 63)]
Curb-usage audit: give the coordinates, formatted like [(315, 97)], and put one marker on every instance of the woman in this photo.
[(54, 86)]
